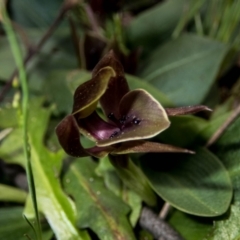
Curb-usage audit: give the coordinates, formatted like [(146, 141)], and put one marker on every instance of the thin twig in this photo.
[(93, 22), (157, 227), (225, 125), (165, 210), (67, 5)]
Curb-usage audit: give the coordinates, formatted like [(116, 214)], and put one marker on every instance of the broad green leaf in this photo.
[(185, 68), (228, 228), (155, 25), (55, 205), (135, 83), (13, 226), (183, 130), (12, 194), (97, 207), (228, 151), (197, 184), (190, 227)]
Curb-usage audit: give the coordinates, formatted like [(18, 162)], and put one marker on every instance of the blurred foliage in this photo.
[(183, 52)]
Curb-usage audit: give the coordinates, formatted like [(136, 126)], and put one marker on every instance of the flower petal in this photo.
[(69, 137), (95, 128), (87, 94), (146, 147), (145, 118), (117, 86), (99, 152), (186, 110)]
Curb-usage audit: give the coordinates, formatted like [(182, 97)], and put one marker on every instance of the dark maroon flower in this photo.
[(130, 116)]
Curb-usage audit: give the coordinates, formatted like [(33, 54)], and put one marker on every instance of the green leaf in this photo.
[(8, 117), (57, 91), (191, 10), (47, 64), (12, 194), (197, 184), (185, 68), (97, 207), (46, 166), (183, 130), (11, 148), (190, 227), (212, 126), (133, 177), (135, 202), (52, 201), (155, 25), (135, 83), (228, 151), (13, 226), (106, 170), (228, 229)]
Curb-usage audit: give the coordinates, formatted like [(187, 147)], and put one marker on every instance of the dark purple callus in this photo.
[(136, 121), (115, 133), (122, 123)]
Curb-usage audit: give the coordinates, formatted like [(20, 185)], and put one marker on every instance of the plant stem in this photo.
[(25, 98)]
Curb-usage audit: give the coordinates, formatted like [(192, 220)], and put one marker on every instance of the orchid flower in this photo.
[(131, 117)]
